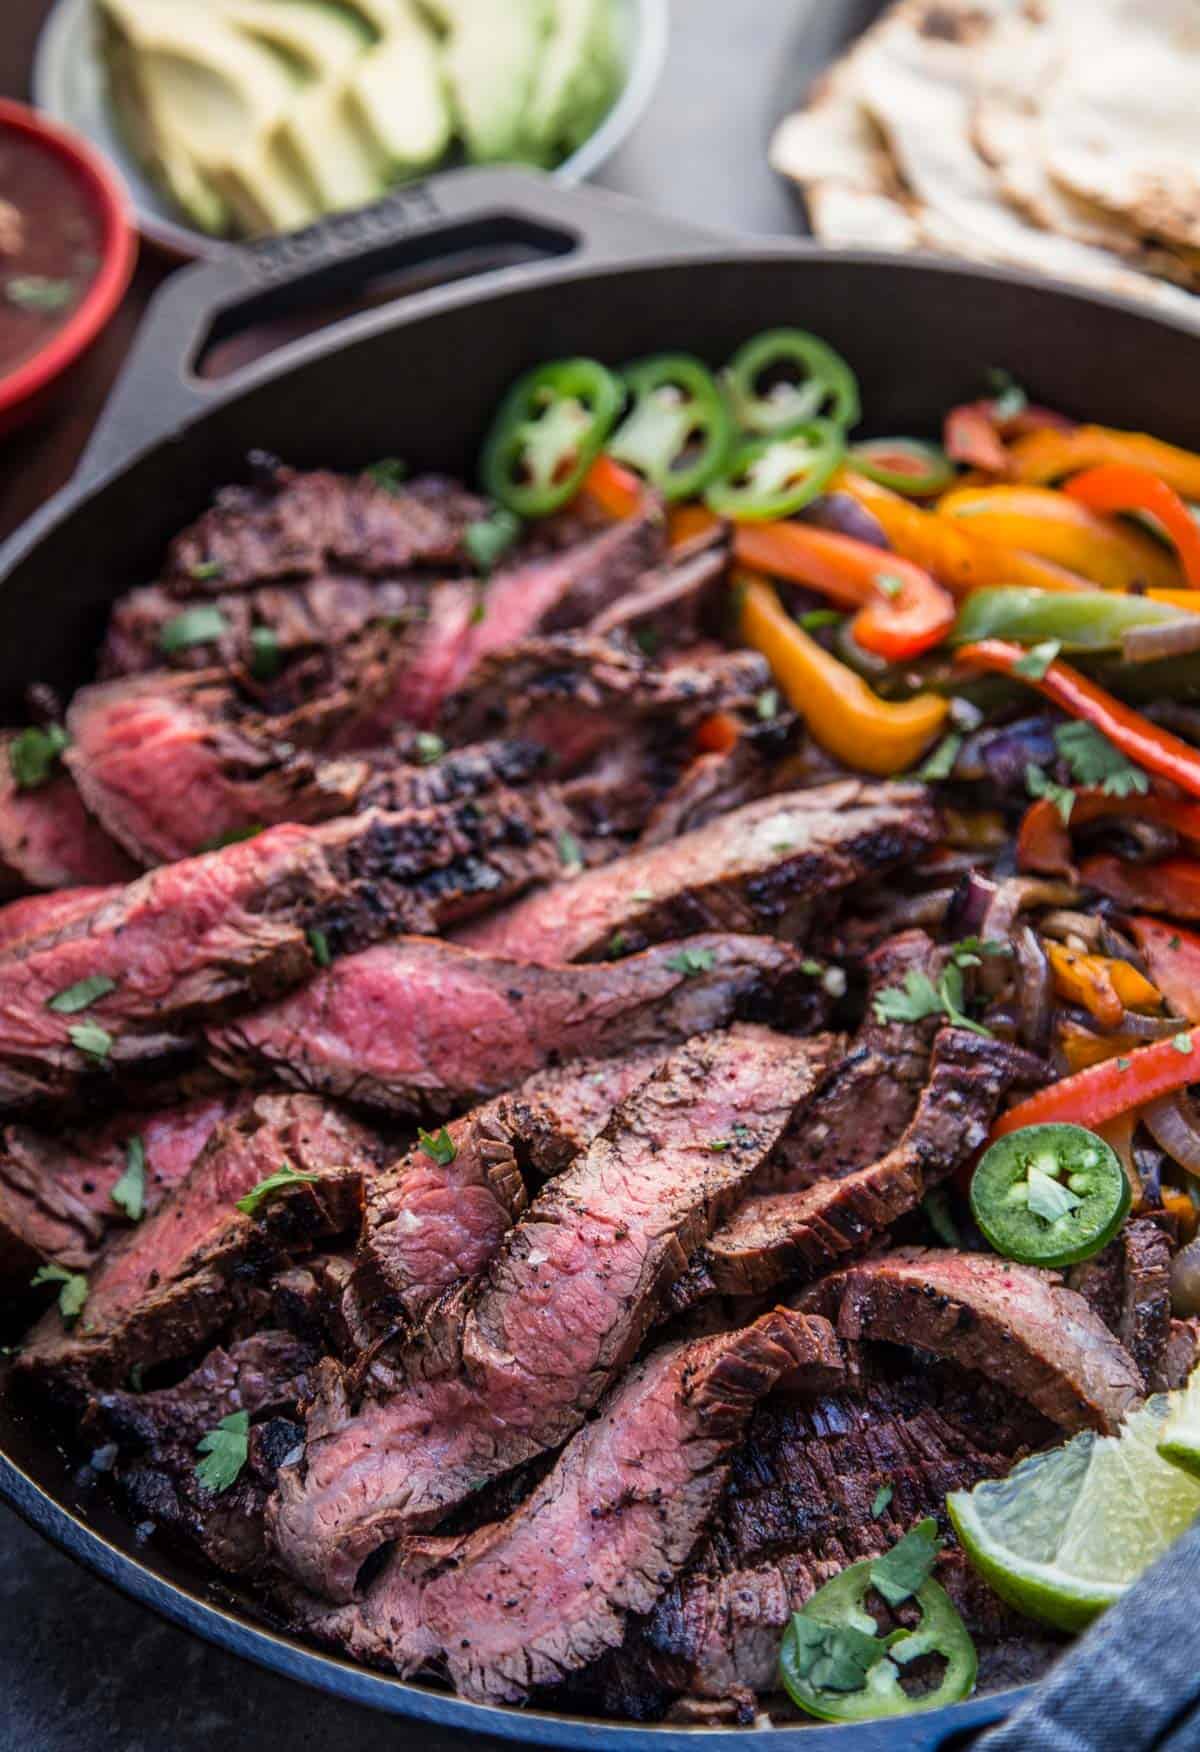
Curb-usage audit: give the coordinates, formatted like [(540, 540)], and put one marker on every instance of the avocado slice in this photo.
[(578, 80), (492, 59), (397, 95), (324, 147), (317, 39)]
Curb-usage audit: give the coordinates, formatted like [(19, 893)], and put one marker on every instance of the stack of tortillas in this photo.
[(1057, 135)]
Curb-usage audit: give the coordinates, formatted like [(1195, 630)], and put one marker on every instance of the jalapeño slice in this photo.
[(678, 430), (787, 376), (1050, 1195), (549, 429), (771, 478), (906, 465)]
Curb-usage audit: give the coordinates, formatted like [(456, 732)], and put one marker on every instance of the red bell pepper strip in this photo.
[(1171, 886), (1173, 962), (902, 610), (1157, 750), (687, 522), (970, 436), (717, 734), (614, 488), (1044, 843), (1121, 487), (1093, 1097)]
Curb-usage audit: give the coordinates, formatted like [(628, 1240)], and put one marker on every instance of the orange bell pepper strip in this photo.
[(1188, 600), (1118, 486), (970, 436), (1105, 986), (1056, 527), (686, 522), (1094, 1096), (1144, 743), (902, 612), (1080, 1047), (1044, 843), (1178, 1205), (1049, 456), (1173, 958), (717, 734), (1171, 886), (843, 714), (615, 489), (958, 557)]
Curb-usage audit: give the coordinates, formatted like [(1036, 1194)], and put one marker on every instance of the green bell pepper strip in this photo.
[(818, 1672), (770, 478), (549, 429), (1050, 1195), (811, 380), (905, 465), (678, 431), (1083, 620)]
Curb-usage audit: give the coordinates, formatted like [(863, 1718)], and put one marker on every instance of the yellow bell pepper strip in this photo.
[(1104, 986), (902, 612), (1173, 958), (1054, 526), (1144, 743), (1171, 886), (1118, 487), (854, 724), (960, 558), (1188, 600), (1092, 1097), (1080, 1048), (1049, 456)]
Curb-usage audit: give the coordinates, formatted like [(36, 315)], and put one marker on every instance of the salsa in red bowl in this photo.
[(67, 249)]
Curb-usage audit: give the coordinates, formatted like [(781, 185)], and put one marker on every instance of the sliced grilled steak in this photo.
[(766, 759), (198, 939), (429, 1028), (1129, 1286), (761, 869), (56, 1192), (44, 915), (430, 1223), (799, 1507), (800, 1234), (1020, 1327), (47, 837), (293, 525), (669, 606), (564, 1307), (548, 1590), (170, 1285), (1180, 1356), (411, 780)]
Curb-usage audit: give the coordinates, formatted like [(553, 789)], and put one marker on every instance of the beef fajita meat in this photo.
[(796, 1235), (669, 606), (47, 837), (56, 1191), (1129, 1286), (799, 1507), (198, 939), (549, 1589), (763, 868), (305, 525), (170, 1285), (767, 758), (42, 915), (1018, 1326), (428, 1028), (411, 777), (515, 1369), (430, 1222)]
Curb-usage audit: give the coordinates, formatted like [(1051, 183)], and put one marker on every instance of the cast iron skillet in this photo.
[(419, 379)]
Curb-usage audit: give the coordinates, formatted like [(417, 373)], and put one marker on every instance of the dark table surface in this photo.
[(81, 1669)]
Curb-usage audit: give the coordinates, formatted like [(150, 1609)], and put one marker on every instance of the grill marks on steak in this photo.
[(1129, 1286), (564, 1307), (519, 1605), (198, 939), (47, 837), (170, 1285), (428, 1028), (798, 1234), (1018, 1326), (762, 868)]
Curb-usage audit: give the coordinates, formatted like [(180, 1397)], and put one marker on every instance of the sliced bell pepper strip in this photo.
[(1119, 487), (959, 557), (717, 734), (1098, 1094), (970, 436), (1089, 620), (1080, 1047), (1148, 746), (1044, 843), (1049, 456), (1056, 527), (1178, 1205), (686, 522), (902, 612), (870, 734), (615, 489), (1173, 957), (1171, 886), (1105, 986), (1187, 600)]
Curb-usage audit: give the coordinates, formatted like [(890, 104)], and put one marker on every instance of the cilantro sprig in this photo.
[(258, 1195), (226, 1450)]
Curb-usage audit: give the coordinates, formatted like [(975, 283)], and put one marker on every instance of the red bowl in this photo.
[(23, 390)]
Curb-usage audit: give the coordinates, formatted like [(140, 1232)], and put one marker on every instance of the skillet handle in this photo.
[(417, 226)]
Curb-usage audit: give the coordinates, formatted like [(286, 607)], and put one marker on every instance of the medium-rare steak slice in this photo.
[(304, 525), (798, 1235), (669, 606), (56, 1191), (1129, 1286), (428, 1028), (767, 758), (515, 1369), (43, 915), (516, 1606), (172, 1283), (436, 1218), (1018, 1326), (47, 837), (761, 869), (410, 777), (195, 940)]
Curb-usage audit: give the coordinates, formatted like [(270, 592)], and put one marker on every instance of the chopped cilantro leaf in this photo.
[(831, 1657), (889, 583), (258, 1195), (266, 659), (225, 1450), (1123, 1064), (389, 473), (1008, 398), (816, 618), (899, 1573), (883, 1497), (913, 1002), (195, 626), (1094, 760), (318, 942), (90, 1038), (129, 1193), (1038, 785), (234, 837), (73, 1288), (430, 747), (767, 703), (812, 968), (490, 538), (439, 1146), (1182, 1043), (207, 571), (1034, 664), (569, 851), (1174, 942), (691, 961), (940, 763), (34, 754), (81, 995)]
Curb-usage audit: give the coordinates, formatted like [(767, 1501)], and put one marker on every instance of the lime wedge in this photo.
[(1181, 1437), (1068, 1531)]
